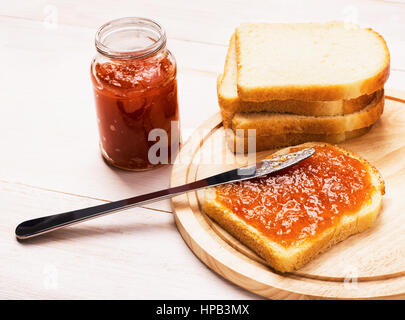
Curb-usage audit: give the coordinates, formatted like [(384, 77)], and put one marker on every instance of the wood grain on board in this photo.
[(375, 258)]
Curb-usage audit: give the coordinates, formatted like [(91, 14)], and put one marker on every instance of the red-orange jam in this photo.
[(135, 89), (301, 201), (132, 98)]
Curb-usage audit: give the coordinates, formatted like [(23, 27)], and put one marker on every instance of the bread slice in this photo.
[(229, 101), (238, 144), (309, 61), (267, 124), (292, 257)]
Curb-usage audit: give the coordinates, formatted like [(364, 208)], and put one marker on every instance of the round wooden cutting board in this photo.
[(369, 265)]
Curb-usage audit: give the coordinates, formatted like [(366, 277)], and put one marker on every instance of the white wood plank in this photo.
[(213, 21), (135, 254)]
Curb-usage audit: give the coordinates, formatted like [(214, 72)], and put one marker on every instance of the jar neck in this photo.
[(130, 38)]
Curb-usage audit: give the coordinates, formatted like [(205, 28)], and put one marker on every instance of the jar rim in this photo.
[(123, 24)]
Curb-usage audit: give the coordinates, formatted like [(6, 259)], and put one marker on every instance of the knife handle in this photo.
[(38, 226)]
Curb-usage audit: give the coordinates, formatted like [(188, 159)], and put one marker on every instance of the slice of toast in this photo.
[(267, 124), (229, 101), (287, 258), (309, 61), (238, 144)]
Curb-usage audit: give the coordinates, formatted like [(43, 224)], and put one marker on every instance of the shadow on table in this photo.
[(84, 232)]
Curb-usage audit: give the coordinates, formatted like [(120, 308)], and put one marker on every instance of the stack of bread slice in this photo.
[(294, 83)]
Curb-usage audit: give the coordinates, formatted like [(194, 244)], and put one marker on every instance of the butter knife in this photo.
[(38, 226)]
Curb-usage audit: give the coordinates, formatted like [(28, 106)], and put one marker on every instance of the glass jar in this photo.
[(135, 87)]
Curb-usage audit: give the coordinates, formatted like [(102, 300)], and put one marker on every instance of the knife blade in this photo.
[(38, 226)]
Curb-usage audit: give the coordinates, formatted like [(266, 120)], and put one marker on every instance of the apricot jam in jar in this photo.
[(135, 88)]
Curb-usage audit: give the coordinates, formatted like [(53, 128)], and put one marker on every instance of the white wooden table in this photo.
[(50, 160)]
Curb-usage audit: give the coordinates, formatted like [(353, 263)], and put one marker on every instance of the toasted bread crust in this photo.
[(240, 144), (270, 124), (309, 92), (292, 258)]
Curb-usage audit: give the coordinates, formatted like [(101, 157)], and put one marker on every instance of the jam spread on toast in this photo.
[(299, 202)]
